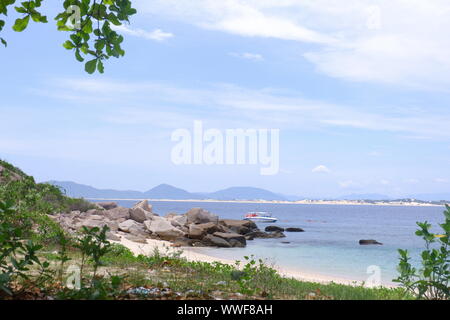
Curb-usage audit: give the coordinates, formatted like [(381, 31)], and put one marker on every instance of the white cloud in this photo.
[(441, 180), (266, 108), (385, 182), (156, 35), (390, 41), (321, 169), (248, 56)]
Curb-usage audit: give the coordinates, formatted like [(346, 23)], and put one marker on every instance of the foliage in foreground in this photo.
[(431, 281), (90, 23)]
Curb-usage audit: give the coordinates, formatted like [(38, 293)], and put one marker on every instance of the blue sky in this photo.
[(359, 91)]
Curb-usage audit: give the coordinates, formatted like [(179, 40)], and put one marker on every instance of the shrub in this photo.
[(431, 281), (17, 255)]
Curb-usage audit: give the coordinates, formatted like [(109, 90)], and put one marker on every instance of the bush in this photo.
[(431, 281), (17, 255)]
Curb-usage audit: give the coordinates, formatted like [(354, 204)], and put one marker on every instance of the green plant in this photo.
[(93, 246), (254, 276), (62, 256), (431, 281), (17, 255)]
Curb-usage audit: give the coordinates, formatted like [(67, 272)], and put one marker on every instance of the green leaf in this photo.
[(68, 45), (21, 24), (3, 41), (100, 67), (91, 66)]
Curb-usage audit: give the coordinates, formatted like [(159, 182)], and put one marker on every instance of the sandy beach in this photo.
[(195, 254)]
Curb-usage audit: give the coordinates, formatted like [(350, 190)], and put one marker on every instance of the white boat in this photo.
[(260, 217)]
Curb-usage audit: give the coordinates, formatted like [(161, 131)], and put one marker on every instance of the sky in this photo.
[(359, 91)]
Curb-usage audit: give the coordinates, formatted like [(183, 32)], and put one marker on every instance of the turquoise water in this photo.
[(329, 246)]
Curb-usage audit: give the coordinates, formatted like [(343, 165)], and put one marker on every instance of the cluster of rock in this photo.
[(195, 228)]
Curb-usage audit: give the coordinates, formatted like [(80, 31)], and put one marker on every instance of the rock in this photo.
[(128, 225), (107, 205), (369, 242), (117, 213), (97, 212), (178, 221), (231, 236), (239, 226), (196, 232), (144, 205), (112, 236), (198, 215), (285, 242), (141, 211), (163, 229), (294, 230), (273, 229), (214, 241), (139, 215), (266, 235)]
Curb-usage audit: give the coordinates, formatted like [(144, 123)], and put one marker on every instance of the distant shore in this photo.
[(313, 202)]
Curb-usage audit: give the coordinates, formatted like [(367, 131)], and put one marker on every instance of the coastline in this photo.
[(301, 202), (195, 254)]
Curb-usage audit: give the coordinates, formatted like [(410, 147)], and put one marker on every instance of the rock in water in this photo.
[(273, 229), (369, 242), (232, 237), (294, 230), (211, 240)]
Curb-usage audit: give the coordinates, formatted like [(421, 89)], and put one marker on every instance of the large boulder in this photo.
[(107, 205), (128, 225), (178, 221), (117, 213), (199, 215), (239, 226), (198, 231), (211, 240), (236, 240), (163, 228), (141, 211)]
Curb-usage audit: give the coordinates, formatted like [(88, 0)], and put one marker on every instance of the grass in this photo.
[(201, 280)]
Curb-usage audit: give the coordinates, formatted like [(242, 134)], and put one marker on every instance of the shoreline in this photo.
[(301, 202), (195, 254)]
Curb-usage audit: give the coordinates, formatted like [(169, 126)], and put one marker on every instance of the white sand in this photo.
[(192, 254)]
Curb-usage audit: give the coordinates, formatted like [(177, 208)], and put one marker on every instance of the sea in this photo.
[(330, 244)]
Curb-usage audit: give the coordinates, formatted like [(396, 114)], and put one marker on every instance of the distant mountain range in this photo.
[(165, 191)]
